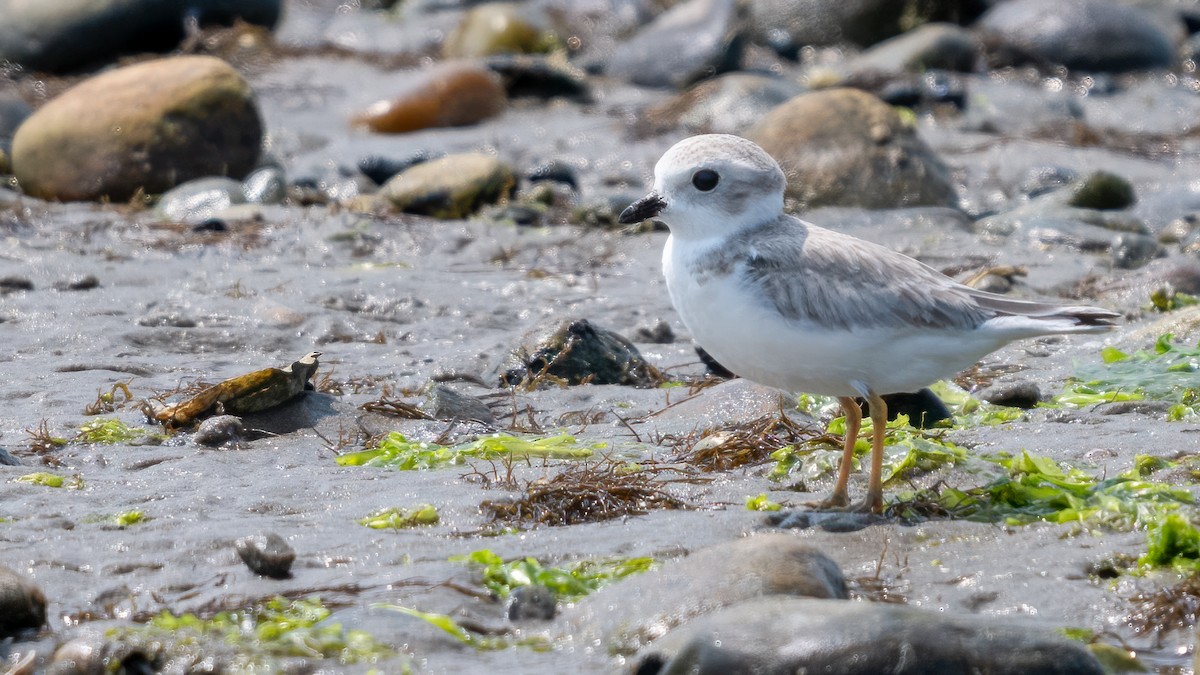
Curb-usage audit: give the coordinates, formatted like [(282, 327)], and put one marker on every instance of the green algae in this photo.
[(569, 582), (762, 502), (466, 636), (397, 452), (51, 480), (396, 518), (1166, 372), (278, 628), (108, 431), (1172, 542)]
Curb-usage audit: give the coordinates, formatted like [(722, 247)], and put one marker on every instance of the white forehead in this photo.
[(716, 151)]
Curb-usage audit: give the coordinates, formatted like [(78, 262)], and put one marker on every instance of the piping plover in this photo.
[(793, 306)]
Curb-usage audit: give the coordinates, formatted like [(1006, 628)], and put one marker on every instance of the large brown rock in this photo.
[(146, 127), (846, 147)]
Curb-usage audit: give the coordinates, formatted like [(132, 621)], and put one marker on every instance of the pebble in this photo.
[(267, 555), (555, 170), (380, 168), (451, 94), (778, 635), (531, 603), (499, 28), (579, 352), (726, 104), (446, 403), (1102, 190), (643, 608), (64, 35), (1087, 35), (180, 118), (544, 77), (220, 430), (943, 46), (1131, 250), (265, 185), (1013, 394), (85, 282), (7, 459), (845, 147), (688, 42), (199, 200), (454, 186), (788, 25), (12, 284), (22, 604)]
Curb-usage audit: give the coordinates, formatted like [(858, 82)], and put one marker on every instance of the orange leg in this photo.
[(874, 501), (841, 491)]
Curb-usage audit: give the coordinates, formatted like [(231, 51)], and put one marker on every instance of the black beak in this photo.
[(646, 207)]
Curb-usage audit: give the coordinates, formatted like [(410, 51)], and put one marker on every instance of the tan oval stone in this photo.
[(498, 28), (447, 95), (454, 186), (148, 127), (846, 147)]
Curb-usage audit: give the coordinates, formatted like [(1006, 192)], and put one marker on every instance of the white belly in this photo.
[(752, 340)]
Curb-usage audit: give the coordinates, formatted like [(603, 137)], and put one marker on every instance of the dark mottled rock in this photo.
[(454, 186), (1089, 35), (554, 170), (7, 459), (930, 88), (1131, 250), (726, 104), (60, 35), (267, 555), (829, 521), (660, 333), (788, 25), (1103, 190), (13, 284), (22, 605), (924, 408), (845, 147), (220, 430), (85, 282), (642, 608), (380, 168), (180, 118), (536, 603), (579, 352), (527, 75), (1014, 394), (199, 200), (781, 635), (446, 403), (689, 42)]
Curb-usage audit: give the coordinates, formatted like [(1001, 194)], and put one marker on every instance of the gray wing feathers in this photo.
[(810, 274)]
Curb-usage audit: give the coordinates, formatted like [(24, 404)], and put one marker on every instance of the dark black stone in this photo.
[(268, 555), (532, 602)]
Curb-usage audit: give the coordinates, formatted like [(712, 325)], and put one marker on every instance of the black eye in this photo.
[(705, 180)]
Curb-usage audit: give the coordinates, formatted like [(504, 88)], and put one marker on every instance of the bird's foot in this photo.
[(838, 501), (869, 505)]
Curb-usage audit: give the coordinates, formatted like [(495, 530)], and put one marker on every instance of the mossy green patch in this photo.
[(51, 480), (907, 450), (969, 411), (470, 638), (1167, 299), (569, 582), (1167, 372), (399, 518), (276, 629), (762, 502), (108, 431), (1172, 542), (397, 452), (1032, 488)]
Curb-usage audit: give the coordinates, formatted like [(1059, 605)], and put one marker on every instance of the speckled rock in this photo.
[(1015, 394), (446, 403), (198, 200), (782, 635), (146, 127), (692, 40), (451, 94), (643, 608), (1089, 35), (454, 186), (499, 28), (265, 185), (220, 430), (60, 35), (531, 603), (579, 352), (267, 555), (936, 45), (726, 104), (845, 147), (22, 605)]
